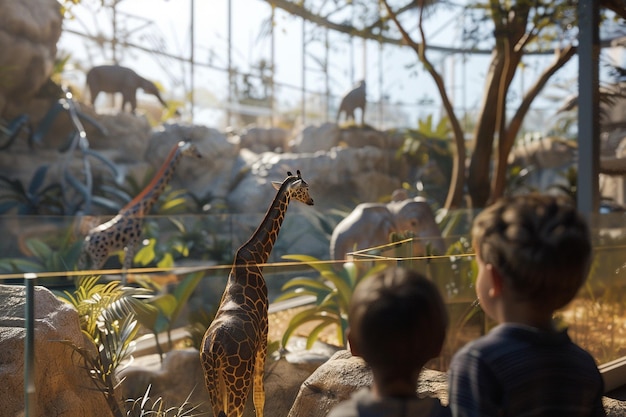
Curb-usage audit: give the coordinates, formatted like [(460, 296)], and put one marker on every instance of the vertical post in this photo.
[(192, 62), (29, 345), (588, 106), (273, 65), (303, 71), (326, 74), (230, 67), (381, 93)]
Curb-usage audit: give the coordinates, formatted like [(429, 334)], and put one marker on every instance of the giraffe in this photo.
[(234, 346), (124, 230)]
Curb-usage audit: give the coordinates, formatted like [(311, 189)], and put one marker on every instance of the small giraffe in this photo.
[(234, 346), (124, 230)]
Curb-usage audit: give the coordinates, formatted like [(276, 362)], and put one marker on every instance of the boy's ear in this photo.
[(497, 281)]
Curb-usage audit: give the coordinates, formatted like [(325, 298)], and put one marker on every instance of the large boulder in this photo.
[(62, 386), (29, 31), (342, 375)]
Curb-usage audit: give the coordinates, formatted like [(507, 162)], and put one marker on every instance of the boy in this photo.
[(533, 254), (397, 322)]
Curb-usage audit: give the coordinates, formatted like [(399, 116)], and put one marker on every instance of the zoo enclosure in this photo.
[(222, 82)]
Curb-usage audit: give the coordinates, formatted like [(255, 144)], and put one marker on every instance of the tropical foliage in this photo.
[(107, 320), (110, 315), (332, 289)]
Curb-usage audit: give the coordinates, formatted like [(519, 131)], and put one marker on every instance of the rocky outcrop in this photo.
[(62, 386), (29, 31), (342, 375)]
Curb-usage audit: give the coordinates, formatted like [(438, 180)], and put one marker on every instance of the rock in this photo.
[(63, 387), (29, 32), (182, 376), (613, 407), (311, 359), (261, 140), (315, 138), (330, 384), (344, 374)]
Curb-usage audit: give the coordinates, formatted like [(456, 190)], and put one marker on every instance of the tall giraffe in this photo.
[(124, 230), (234, 346)]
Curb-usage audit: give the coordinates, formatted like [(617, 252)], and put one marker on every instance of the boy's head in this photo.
[(397, 321), (540, 246)]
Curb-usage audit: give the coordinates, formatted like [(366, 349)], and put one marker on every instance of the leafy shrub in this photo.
[(332, 290)]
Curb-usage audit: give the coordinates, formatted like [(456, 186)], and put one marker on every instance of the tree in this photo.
[(511, 29), (516, 27)]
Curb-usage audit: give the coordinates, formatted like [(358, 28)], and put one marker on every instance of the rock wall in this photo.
[(29, 32), (62, 386)]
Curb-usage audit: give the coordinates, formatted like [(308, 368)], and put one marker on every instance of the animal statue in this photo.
[(354, 99), (123, 232), (234, 347), (118, 79), (370, 224)]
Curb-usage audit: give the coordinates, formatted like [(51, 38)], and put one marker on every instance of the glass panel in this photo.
[(50, 246)]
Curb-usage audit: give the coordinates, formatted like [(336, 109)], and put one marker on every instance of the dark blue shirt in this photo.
[(521, 371)]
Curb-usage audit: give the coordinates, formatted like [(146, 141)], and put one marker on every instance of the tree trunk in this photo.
[(499, 180), (511, 37)]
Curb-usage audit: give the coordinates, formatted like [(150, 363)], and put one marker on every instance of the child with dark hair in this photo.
[(397, 323), (533, 254)]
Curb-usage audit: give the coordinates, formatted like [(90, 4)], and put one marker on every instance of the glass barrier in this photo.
[(174, 247)]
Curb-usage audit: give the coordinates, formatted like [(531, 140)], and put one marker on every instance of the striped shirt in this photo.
[(521, 371)]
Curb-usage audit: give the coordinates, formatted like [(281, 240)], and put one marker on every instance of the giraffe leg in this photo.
[(258, 388), (214, 383)]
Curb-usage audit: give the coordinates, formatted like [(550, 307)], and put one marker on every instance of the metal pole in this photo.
[(303, 71), (381, 99), (273, 66), (588, 106), (29, 345), (230, 68), (192, 63)]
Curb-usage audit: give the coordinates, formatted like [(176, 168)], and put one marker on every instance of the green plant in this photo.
[(51, 253), (166, 308), (34, 198), (332, 290), (107, 315)]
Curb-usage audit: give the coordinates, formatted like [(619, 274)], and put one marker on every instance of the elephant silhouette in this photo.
[(117, 79), (370, 224), (353, 100)]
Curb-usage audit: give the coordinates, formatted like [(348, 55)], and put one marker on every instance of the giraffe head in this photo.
[(187, 148), (297, 188)]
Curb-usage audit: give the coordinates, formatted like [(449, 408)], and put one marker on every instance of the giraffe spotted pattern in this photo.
[(234, 347), (123, 232)]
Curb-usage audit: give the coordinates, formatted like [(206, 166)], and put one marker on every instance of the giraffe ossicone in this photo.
[(123, 232), (234, 347)]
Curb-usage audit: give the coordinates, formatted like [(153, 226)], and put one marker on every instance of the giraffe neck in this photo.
[(143, 202), (258, 248)]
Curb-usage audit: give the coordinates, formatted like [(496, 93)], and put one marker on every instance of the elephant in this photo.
[(118, 79), (353, 100), (370, 225)]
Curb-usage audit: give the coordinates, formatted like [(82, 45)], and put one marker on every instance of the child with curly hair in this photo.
[(533, 254)]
